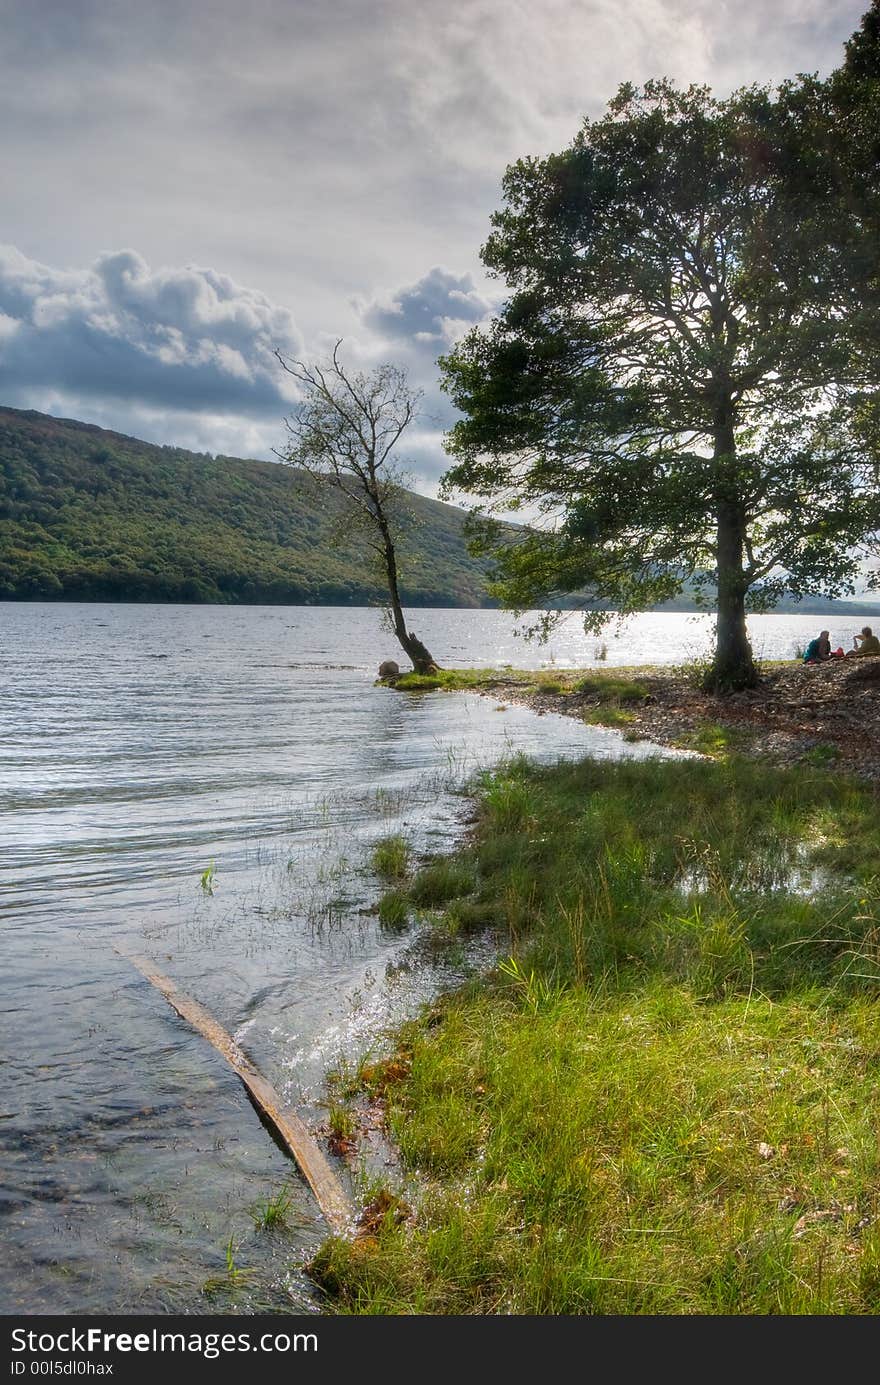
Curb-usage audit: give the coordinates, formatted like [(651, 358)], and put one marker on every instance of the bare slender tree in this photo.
[(342, 432)]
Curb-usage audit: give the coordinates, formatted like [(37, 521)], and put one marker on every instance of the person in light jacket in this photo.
[(870, 644)]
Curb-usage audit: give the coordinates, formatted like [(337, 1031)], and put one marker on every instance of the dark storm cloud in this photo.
[(183, 338)]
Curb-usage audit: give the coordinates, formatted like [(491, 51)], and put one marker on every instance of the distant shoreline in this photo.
[(90, 516), (843, 608)]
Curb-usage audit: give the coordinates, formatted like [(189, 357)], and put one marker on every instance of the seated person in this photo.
[(819, 649), (870, 644)]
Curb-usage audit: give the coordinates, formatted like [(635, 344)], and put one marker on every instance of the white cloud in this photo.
[(323, 155), (186, 339), (185, 355), (432, 313), (317, 150), (8, 326)]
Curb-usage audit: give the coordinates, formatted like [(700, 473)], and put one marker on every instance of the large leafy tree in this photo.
[(674, 382), (850, 136), (862, 52)]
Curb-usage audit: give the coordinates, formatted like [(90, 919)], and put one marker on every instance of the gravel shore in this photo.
[(827, 714)]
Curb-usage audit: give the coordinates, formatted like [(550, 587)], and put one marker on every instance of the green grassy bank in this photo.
[(666, 1097), (610, 695), (608, 685)]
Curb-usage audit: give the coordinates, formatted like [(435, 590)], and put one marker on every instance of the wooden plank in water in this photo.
[(329, 1192)]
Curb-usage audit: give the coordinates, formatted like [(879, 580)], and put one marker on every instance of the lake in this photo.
[(204, 784)]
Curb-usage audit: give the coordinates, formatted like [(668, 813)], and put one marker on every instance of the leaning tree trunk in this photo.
[(421, 657), (733, 666)]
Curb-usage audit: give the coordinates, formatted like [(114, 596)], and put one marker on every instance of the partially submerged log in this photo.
[(332, 1199)]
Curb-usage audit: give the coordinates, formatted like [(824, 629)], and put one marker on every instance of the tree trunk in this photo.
[(733, 666), (420, 657)]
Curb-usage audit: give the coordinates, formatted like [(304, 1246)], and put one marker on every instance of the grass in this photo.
[(617, 687), (506, 796), (452, 680), (823, 754), (611, 692), (441, 881), (710, 738), (632, 1156), (608, 716), (394, 909), (271, 1214), (234, 1278), (391, 857), (610, 689), (341, 1128), (208, 878), (614, 696), (663, 1100)]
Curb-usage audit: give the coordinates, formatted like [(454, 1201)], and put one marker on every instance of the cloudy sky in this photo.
[(191, 183)]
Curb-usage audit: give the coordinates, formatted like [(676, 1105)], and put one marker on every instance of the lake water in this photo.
[(142, 746)]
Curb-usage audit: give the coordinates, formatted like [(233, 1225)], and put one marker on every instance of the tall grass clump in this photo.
[(441, 881), (391, 857), (507, 798), (662, 1100), (394, 909), (550, 685)]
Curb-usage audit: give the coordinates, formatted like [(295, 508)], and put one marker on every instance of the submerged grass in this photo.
[(272, 1213), (664, 1099)]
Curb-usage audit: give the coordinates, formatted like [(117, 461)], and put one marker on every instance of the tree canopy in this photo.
[(682, 382)]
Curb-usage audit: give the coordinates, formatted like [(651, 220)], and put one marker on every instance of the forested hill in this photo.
[(90, 515), (87, 514)]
